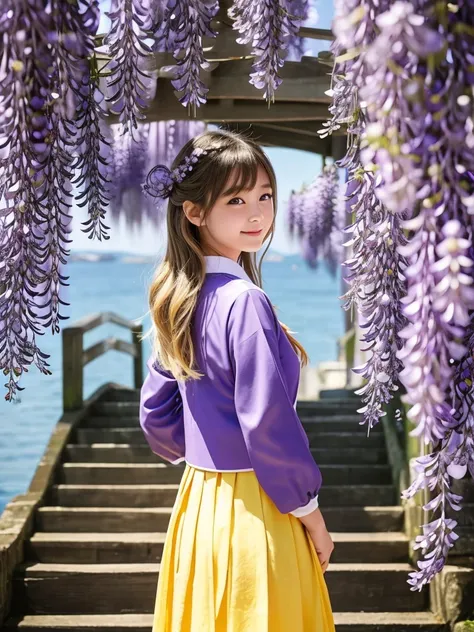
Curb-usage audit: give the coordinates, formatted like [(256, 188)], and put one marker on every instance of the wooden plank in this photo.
[(166, 106), (304, 128), (307, 70), (287, 138), (295, 89)]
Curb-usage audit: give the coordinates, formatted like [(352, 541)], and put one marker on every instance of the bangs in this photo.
[(234, 171)]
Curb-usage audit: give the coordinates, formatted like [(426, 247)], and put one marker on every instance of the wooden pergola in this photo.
[(295, 117)]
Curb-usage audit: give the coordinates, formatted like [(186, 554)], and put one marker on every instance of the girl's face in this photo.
[(225, 229)]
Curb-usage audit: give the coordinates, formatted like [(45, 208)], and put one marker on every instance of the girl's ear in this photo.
[(192, 212)]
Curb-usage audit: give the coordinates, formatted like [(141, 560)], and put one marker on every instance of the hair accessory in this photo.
[(160, 180)]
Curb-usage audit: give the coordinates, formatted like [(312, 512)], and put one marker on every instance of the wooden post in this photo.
[(73, 379), (137, 332)]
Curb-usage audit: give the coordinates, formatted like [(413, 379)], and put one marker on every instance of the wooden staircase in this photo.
[(94, 558)]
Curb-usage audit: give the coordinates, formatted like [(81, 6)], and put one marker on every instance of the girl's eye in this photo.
[(237, 198)]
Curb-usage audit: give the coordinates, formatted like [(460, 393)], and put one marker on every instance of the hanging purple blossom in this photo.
[(316, 214), (410, 137), (268, 25), (42, 60), (333, 246), (93, 164), (299, 10), (163, 26), (130, 166), (451, 458), (319, 203), (130, 84), (186, 22), (376, 287), (158, 143), (295, 215)]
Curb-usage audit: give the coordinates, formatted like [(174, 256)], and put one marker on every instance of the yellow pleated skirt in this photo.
[(233, 563)]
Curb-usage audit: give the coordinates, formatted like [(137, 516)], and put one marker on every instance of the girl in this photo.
[(247, 547)]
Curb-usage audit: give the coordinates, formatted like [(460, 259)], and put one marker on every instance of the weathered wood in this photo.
[(153, 495), (109, 343), (281, 138), (135, 436), (308, 129), (73, 362), (133, 453), (115, 588), (91, 321), (296, 89), (128, 548), (140, 519), (344, 621), (75, 357)]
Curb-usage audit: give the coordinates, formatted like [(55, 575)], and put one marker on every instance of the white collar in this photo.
[(217, 263)]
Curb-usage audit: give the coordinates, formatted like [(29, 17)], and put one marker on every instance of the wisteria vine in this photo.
[(186, 22), (270, 27), (316, 215), (403, 84), (57, 149)]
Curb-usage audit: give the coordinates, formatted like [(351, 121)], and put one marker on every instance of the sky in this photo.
[(293, 168)]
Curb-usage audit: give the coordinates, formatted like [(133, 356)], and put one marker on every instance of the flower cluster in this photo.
[(132, 86), (184, 24), (316, 215), (44, 85), (157, 143), (269, 26), (403, 85)]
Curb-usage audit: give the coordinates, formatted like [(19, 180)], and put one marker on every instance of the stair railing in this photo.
[(75, 357)]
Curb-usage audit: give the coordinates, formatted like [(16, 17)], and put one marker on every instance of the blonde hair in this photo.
[(178, 278)]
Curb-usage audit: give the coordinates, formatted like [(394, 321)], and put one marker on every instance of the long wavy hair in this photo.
[(178, 278)]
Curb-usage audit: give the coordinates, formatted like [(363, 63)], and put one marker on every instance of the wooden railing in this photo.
[(75, 357)]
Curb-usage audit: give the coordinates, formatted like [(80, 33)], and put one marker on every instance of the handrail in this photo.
[(75, 357)]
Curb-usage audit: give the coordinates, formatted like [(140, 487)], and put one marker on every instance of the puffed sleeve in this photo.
[(277, 444), (161, 413)]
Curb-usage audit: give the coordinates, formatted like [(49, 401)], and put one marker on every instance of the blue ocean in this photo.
[(307, 301)]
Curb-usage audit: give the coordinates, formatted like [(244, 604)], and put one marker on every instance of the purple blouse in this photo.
[(241, 416)]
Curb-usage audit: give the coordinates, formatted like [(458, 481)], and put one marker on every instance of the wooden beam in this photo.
[(284, 138), (166, 106), (308, 68), (294, 89), (304, 128), (317, 34)]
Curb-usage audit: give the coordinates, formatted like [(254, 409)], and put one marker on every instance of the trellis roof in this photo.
[(294, 118)]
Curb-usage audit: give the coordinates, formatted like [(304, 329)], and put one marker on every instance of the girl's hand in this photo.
[(316, 527), (323, 544)]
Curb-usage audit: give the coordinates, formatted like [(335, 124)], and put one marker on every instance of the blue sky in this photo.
[(293, 169)]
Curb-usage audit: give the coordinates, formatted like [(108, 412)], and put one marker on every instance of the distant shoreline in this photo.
[(124, 257)]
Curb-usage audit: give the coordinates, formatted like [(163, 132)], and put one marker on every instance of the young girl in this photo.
[(247, 547)]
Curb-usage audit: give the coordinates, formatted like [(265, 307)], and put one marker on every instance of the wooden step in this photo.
[(345, 622), (315, 407), (132, 453), (155, 473), (355, 439), (120, 588), (332, 423), (317, 439), (164, 495), (108, 548), (320, 407), (148, 519)]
